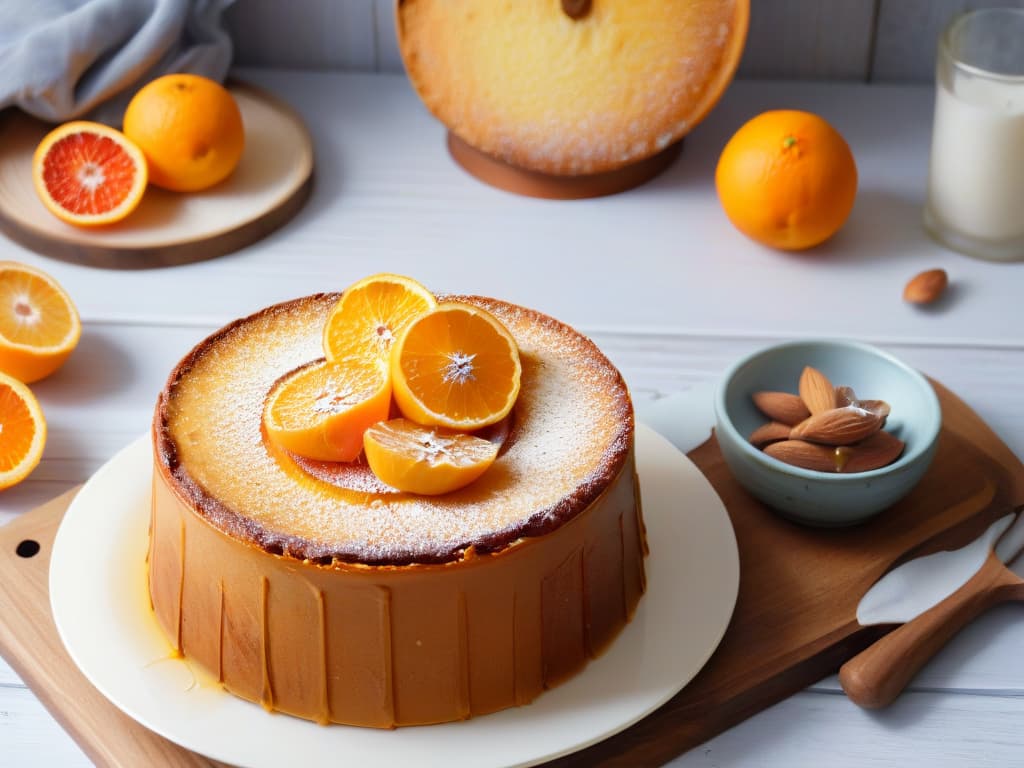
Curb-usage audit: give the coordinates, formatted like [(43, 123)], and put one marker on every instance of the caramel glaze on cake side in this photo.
[(350, 602)]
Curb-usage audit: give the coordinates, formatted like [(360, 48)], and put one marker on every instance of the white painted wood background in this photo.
[(866, 40), (664, 285)]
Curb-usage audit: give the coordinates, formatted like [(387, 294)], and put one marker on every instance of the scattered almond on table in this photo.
[(825, 428), (926, 287)]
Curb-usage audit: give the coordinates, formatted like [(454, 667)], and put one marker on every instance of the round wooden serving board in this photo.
[(269, 186)]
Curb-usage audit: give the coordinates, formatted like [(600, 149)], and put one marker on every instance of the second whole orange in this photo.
[(190, 130), (787, 179)]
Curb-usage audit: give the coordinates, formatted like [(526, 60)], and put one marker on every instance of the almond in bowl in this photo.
[(827, 428), (812, 450)]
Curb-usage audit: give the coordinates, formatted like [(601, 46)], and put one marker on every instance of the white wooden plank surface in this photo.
[(387, 196), (884, 40), (30, 737), (814, 730), (908, 32), (663, 284), (788, 38), (303, 34), (807, 40), (388, 57)]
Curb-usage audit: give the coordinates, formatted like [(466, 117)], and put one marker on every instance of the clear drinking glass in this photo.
[(976, 180)]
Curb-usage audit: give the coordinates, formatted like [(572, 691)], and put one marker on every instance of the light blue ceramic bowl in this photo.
[(826, 498)]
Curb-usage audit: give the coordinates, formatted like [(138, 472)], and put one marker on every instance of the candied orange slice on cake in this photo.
[(39, 324), (321, 410), (88, 174), (370, 315), (426, 460), (22, 431), (456, 366)]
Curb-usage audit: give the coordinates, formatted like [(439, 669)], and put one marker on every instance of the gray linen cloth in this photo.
[(62, 59)]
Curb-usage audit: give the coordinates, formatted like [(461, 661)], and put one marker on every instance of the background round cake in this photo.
[(570, 98)]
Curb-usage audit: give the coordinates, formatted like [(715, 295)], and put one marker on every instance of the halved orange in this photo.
[(456, 366), (39, 325), (426, 460), (88, 174), (22, 431), (321, 410), (370, 315)]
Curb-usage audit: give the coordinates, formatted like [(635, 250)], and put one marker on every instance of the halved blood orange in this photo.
[(321, 410), (39, 324), (426, 460), (370, 315), (456, 366), (89, 174), (22, 431)]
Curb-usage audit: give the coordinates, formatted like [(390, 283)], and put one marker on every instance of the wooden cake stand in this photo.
[(521, 181)]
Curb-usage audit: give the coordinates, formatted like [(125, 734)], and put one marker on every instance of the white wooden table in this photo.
[(662, 282)]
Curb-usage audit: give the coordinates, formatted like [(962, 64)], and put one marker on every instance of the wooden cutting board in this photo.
[(793, 624)]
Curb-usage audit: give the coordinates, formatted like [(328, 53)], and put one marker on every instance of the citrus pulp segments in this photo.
[(370, 315), (39, 324), (456, 367), (89, 174)]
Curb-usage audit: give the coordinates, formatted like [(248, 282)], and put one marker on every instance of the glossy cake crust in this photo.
[(606, 415), (396, 644)]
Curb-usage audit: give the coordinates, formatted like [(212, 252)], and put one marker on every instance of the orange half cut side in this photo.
[(426, 460), (456, 367), (370, 315), (39, 324), (89, 174), (22, 431), (321, 410)]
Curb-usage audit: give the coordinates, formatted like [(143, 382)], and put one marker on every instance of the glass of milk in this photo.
[(976, 181)]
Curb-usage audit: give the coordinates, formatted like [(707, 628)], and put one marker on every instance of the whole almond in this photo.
[(771, 432), (799, 453), (838, 426), (816, 391), (926, 287), (781, 407), (879, 450)]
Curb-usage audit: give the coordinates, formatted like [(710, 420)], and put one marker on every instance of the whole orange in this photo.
[(787, 179), (190, 130)]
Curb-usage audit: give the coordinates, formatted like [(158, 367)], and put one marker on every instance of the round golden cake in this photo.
[(318, 591), (571, 87)]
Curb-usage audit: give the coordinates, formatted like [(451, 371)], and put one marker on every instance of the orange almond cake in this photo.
[(316, 590)]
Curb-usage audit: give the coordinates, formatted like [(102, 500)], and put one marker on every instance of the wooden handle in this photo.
[(876, 676)]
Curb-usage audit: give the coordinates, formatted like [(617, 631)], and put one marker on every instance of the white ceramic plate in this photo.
[(101, 607)]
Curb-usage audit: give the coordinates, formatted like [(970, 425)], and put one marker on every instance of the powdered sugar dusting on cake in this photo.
[(574, 428), (582, 97)]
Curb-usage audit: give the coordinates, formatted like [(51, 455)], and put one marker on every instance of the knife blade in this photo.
[(913, 587)]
